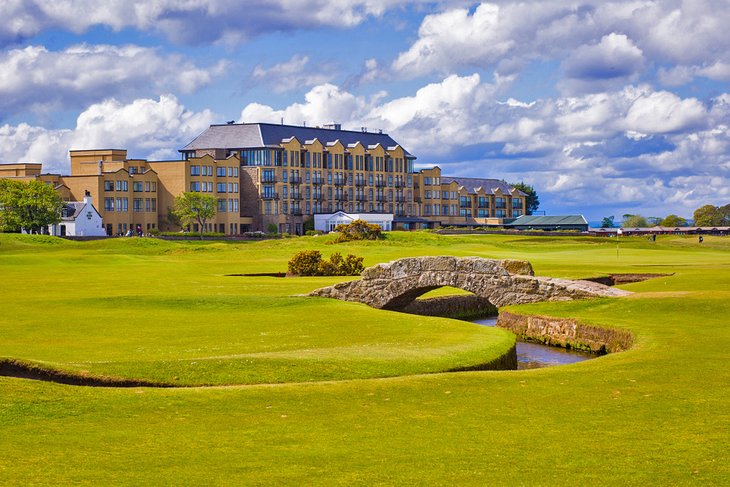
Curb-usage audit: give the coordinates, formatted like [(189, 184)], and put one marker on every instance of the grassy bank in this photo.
[(655, 415)]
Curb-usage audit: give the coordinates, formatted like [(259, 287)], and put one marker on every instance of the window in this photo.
[(221, 187), (138, 186), (195, 170), (147, 205), (222, 205), (256, 157), (122, 186), (137, 205), (154, 204), (210, 186), (230, 188), (108, 185), (108, 204), (221, 171), (147, 186), (122, 204), (195, 186)]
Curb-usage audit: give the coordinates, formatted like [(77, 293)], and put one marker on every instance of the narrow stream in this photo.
[(535, 356)]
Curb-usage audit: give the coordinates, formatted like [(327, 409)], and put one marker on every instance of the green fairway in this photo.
[(333, 393)]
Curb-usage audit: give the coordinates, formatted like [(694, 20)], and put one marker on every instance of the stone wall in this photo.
[(566, 332)]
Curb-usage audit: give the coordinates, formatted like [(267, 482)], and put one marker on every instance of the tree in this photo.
[(712, 216), (653, 221), (634, 221), (195, 207), (31, 206), (532, 201), (673, 221), (607, 222)]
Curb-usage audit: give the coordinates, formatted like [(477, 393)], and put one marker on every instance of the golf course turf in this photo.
[(311, 391)]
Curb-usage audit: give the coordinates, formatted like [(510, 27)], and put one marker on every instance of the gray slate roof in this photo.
[(261, 135), (472, 184), (71, 210), (535, 220)]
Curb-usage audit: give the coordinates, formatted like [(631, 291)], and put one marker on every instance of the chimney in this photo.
[(87, 197)]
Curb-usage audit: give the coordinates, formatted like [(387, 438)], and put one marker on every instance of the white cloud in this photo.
[(323, 104), (296, 73), (457, 38), (34, 77), (146, 127), (596, 40), (614, 61), (187, 21), (664, 112)]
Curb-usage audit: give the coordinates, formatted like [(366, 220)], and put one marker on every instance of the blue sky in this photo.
[(605, 107)]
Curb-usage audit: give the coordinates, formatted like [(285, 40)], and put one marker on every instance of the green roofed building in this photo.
[(549, 223)]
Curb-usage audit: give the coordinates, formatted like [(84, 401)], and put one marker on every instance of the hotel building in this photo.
[(270, 176), (289, 173)]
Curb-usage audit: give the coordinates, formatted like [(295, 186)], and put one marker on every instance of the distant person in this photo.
[(701, 239)]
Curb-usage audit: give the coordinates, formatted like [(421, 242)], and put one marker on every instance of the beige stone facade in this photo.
[(277, 177), (448, 201)]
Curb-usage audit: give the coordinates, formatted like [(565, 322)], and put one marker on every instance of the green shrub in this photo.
[(311, 263), (305, 263), (358, 230), (272, 228)]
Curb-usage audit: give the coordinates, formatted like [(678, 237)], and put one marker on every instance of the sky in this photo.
[(604, 107)]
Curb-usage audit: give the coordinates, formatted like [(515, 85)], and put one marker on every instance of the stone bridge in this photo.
[(396, 284)]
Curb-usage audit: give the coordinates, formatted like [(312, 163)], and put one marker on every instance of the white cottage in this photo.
[(79, 219), (326, 222)]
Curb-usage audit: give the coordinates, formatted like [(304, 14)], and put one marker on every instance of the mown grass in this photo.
[(168, 312), (657, 414)]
